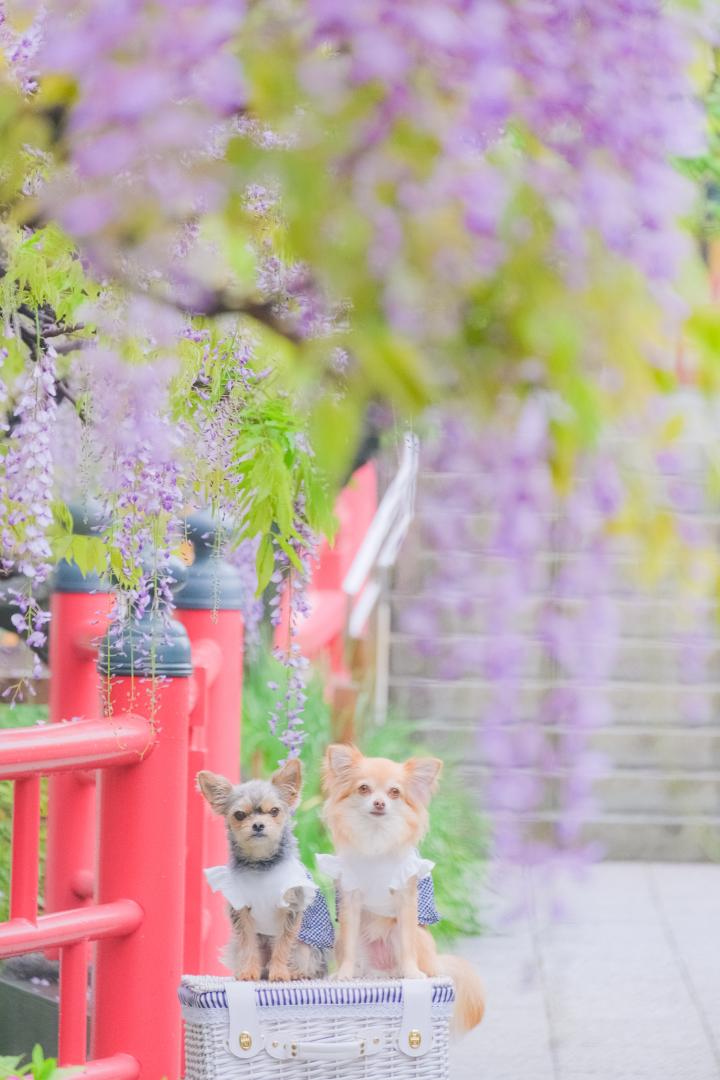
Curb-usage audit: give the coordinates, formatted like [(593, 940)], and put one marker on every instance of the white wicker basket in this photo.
[(316, 1030)]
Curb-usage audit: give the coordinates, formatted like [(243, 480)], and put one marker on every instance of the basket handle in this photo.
[(326, 1050)]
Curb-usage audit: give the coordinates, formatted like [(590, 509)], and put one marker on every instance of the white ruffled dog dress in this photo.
[(267, 892), (378, 877)]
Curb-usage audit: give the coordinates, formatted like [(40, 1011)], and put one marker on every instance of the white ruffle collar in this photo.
[(265, 892), (376, 877)]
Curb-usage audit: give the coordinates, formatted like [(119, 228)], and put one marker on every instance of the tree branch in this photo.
[(224, 303)]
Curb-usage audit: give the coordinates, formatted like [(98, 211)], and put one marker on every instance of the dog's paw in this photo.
[(345, 971), (279, 973), (251, 973), (411, 972)]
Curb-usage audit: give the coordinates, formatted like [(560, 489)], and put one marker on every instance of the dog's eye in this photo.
[(394, 792), (275, 811), (364, 789), (239, 815)]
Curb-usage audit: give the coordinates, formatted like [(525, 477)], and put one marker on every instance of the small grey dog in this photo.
[(280, 921)]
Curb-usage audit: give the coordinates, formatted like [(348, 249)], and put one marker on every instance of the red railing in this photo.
[(127, 835), (116, 746)]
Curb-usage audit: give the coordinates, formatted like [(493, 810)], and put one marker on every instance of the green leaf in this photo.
[(334, 428), (89, 554), (264, 563), (10, 1066), (62, 516)]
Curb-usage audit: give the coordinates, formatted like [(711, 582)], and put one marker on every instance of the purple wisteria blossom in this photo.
[(153, 82), (594, 96), (20, 47), (290, 605), (540, 575), (135, 447), (26, 491)]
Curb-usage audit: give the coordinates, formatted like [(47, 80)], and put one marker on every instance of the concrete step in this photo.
[(634, 791), (647, 837), (639, 616), (657, 839), (628, 747), (476, 572), (459, 490), (662, 662), (472, 533), (635, 703), (690, 452)]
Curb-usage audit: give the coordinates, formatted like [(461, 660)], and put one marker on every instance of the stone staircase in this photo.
[(660, 799)]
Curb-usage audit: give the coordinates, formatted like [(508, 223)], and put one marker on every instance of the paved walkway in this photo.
[(628, 988)]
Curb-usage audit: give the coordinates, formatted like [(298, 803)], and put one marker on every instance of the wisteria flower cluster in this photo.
[(152, 82), (289, 606), (27, 492)]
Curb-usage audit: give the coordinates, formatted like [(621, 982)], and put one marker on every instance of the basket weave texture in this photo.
[(313, 1011)]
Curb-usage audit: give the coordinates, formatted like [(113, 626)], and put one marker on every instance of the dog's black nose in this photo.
[(258, 826)]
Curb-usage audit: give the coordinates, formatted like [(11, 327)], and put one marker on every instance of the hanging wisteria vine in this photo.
[(229, 230)]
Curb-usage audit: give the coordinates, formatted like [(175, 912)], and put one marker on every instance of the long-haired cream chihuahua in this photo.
[(281, 926), (377, 813)]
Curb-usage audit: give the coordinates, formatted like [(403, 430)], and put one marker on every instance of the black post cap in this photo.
[(212, 584), (153, 646)]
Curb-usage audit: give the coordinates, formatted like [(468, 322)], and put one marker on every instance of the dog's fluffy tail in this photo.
[(469, 992)]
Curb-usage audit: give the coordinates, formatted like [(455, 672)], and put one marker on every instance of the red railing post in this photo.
[(209, 606), (142, 823), (72, 1028), (25, 849), (79, 608)]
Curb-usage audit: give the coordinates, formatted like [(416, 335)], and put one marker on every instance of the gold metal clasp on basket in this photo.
[(414, 1039), (245, 1040)]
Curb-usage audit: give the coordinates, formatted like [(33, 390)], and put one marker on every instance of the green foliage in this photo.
[(273, 469), (43, 268), (88, 552), (39, 1067), (457, 840), (705, 169)]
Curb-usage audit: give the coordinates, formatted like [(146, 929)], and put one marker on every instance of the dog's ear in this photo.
[(288, 781), (422, 776), (340, 760), (216, 790)]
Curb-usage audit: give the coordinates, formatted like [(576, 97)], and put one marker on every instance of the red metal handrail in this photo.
[(68, 927), (79, 744), (117, 1067)]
